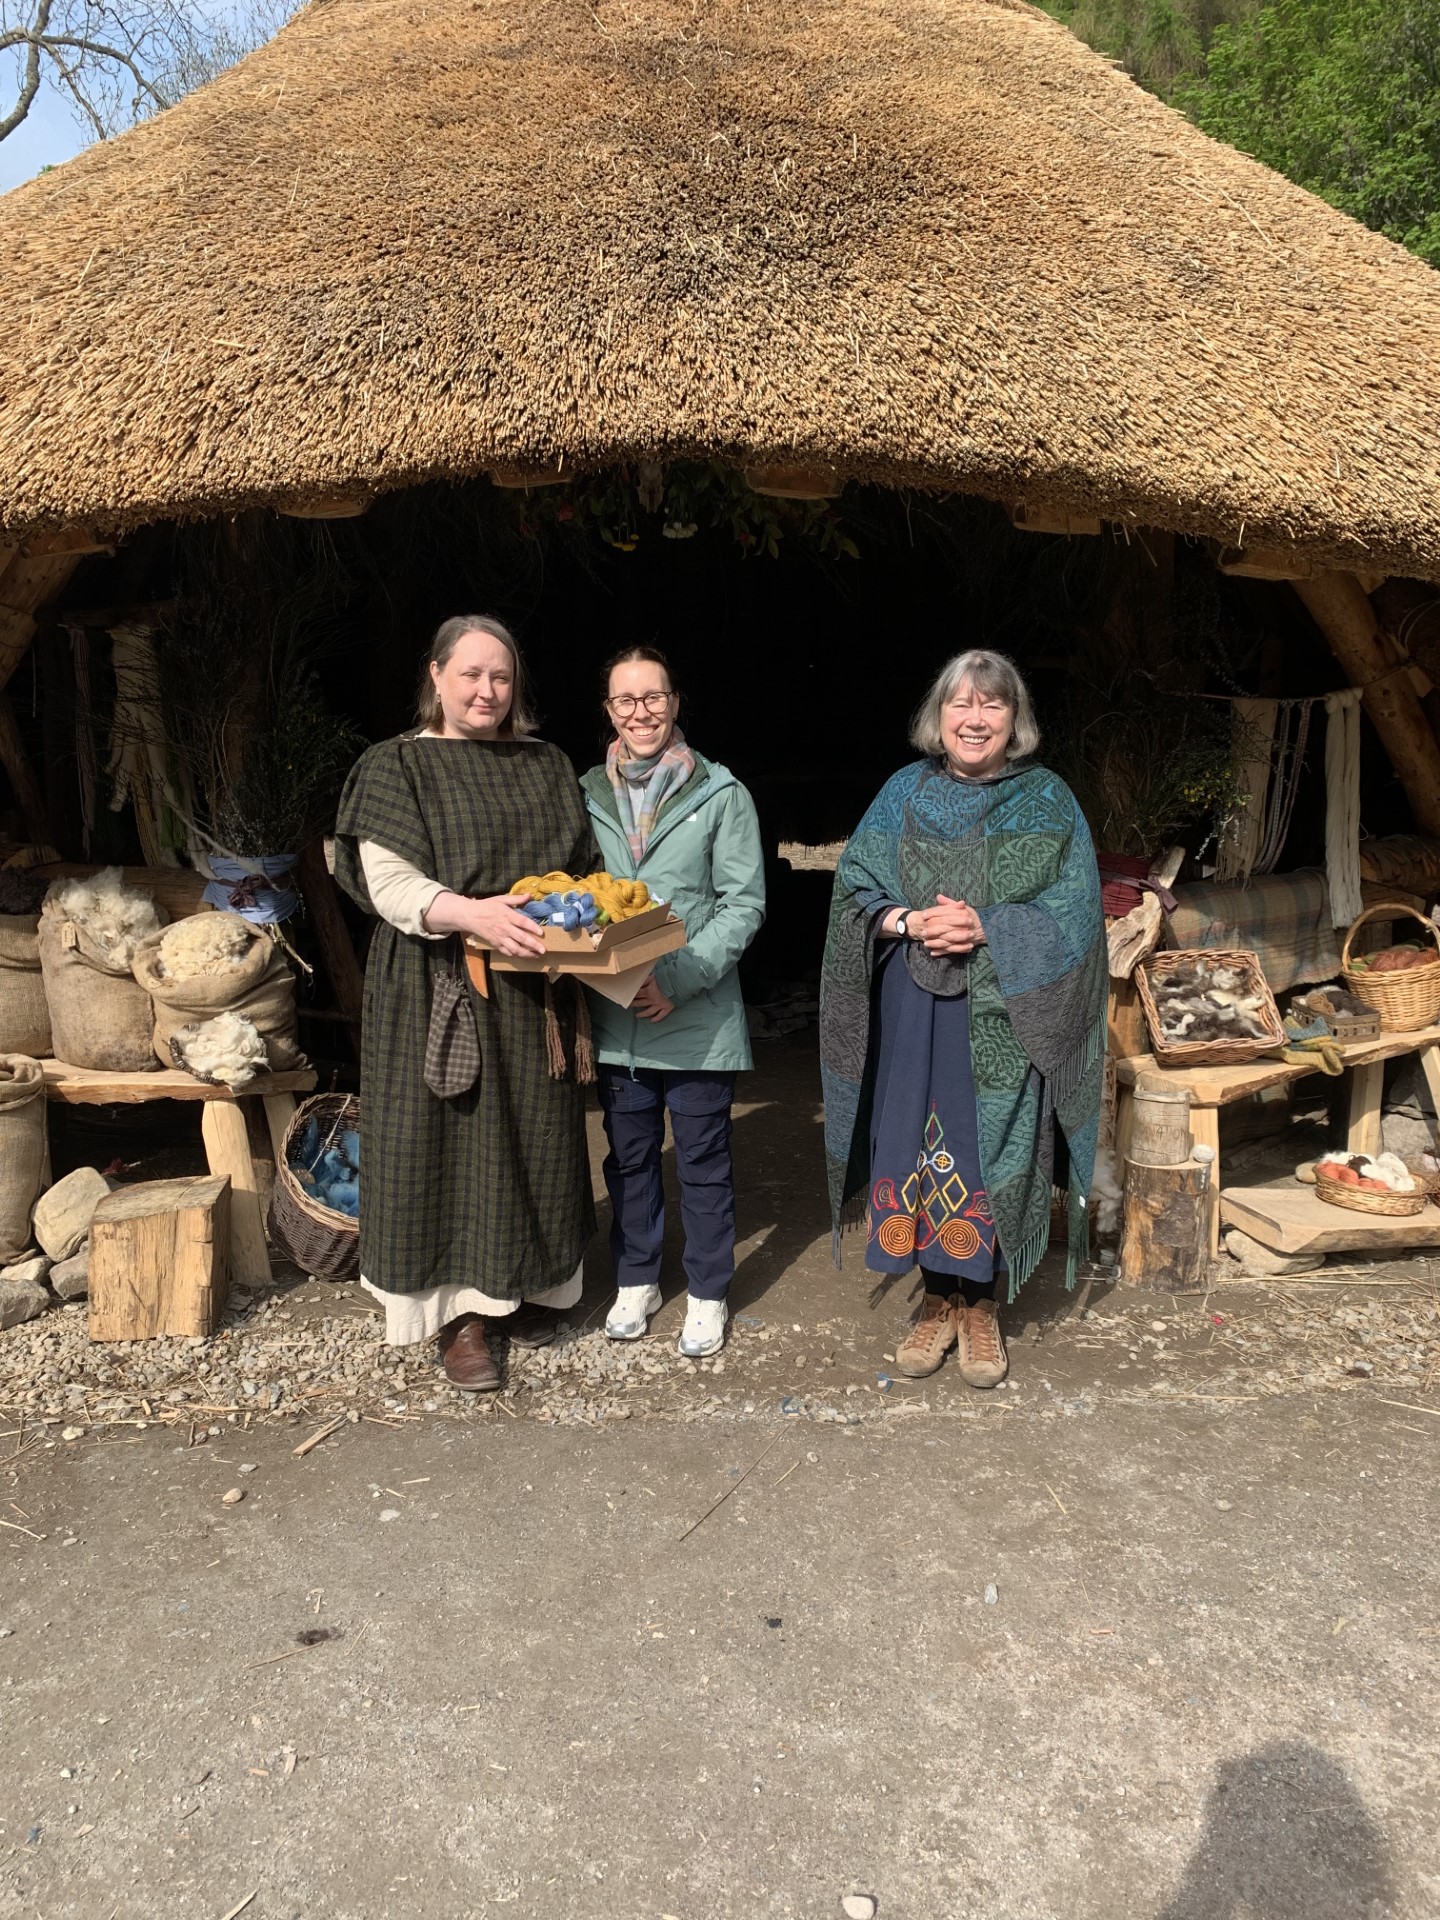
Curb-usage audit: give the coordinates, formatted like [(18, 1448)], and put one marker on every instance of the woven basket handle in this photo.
[(1390, 908)]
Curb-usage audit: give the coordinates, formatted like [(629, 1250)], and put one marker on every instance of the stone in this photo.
[(1263, 1262), (992, 1595), (34, 1269), (62, 1216), (1406, 1135), (858, 1906), (233, 1497), (70, 1279), (21, 1300)]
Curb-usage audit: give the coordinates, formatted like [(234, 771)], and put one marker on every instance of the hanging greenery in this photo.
[(629, 504)]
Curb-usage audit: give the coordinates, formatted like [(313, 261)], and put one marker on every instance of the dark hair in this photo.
[(627, 654), (519, 720)]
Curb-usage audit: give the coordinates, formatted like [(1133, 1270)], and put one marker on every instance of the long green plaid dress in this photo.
[(490, 1189)]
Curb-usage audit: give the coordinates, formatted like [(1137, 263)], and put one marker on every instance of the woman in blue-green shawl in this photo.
[(962, 1016)]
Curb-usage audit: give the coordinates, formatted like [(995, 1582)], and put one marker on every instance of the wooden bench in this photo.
[(224, 1120), (1212, 1088), (224, 1127)]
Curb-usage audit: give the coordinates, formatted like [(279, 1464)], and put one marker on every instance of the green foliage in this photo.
[(1341, 96)]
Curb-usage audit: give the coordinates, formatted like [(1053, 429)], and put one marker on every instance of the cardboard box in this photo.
[(614, 959)]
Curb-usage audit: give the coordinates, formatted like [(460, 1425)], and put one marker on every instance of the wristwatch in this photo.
[(902, 924)]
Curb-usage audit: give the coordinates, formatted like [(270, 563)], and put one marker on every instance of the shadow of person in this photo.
[(1286, 1837)]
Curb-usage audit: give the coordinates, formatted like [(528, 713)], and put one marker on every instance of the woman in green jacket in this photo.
[(684, 825)]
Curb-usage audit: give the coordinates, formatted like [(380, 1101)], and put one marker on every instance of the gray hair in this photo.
[(994, 677)]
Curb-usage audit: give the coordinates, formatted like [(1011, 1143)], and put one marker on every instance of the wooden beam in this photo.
[(1264, 563), (24, 785), (793, 483), (1340, 609), (26, 585), (329, 506), (58, 540), (522, 476), (1033, 517)]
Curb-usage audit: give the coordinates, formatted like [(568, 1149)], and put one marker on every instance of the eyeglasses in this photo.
[(624, 705)]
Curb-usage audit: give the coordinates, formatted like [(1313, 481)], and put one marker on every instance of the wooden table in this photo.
[(1214, 1087), (223, 1127)]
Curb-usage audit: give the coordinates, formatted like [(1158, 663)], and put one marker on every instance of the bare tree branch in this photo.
[(119, 62)]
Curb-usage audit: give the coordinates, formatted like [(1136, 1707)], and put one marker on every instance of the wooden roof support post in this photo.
[(1339, 607), (16, 762)]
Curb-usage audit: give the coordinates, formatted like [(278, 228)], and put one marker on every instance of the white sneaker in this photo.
[(629, 1318), (704, 1329)]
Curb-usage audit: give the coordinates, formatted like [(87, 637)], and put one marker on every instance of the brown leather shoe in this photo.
[(468, 1361), (982, 1359), (929, 1340)]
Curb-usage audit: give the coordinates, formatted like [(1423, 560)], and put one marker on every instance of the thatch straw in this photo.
[(919, 242)]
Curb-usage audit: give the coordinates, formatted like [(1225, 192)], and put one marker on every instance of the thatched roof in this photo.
[(921, 242)]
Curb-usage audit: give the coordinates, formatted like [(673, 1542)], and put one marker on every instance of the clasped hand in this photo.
[(948, 927)]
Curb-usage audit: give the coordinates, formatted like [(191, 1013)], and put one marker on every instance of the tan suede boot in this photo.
[(982, 1359), (928, 1341)]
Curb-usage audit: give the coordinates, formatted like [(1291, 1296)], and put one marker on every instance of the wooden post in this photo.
[(1367, 1087), (1205, 1132), (1166, 1245), (347, 977), (158, 1259), (227, 1149), (1340, 609), (26, 787)]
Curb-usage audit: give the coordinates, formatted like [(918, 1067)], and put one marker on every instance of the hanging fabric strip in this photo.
[(1291, 737), (86, 767), (1342, 805), (1254, 744)]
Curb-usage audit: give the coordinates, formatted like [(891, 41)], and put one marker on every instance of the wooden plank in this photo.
[(279, 1112), (227, 1149), (1217, 1086), (1367, 1088), (76, 540), (92, 1087), (1292, 1219), (159, 1255)]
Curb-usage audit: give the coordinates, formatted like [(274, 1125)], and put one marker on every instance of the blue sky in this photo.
[(49, 134)]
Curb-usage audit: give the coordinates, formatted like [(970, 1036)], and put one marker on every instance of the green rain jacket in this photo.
[(704, 860)]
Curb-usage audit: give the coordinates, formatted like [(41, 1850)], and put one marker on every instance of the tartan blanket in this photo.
[(490, 1188), (1017, 849), (1282, 918)]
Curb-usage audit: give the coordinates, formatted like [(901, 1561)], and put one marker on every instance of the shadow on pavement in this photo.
[(1286, 1837)]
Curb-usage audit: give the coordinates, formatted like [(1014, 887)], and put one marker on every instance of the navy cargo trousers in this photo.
[(634, 1105)]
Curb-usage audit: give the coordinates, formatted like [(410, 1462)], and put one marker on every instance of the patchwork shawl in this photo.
[(1018, 851)]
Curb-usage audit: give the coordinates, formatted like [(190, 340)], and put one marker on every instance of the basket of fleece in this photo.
[(315, 1208)]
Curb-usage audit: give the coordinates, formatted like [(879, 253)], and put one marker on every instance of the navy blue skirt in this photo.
[(927, 1193)]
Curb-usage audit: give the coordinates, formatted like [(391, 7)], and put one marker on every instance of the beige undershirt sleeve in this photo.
[(399, 892)]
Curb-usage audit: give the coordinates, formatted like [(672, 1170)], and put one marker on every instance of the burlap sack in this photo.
[(99, 1017), (24, 1151), (262, 988), (24, 1011)]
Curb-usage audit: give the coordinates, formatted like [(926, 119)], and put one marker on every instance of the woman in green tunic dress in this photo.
[(473, 1204)]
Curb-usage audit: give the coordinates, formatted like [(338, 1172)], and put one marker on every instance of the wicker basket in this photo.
[(1209, 1053), (1344, 1026), (318, 1239), (1360, 1200), (1404, 1001)]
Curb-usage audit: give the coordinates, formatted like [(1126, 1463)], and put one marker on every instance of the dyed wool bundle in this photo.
[(1203, 1002), (327, 1165), (225, 1052)]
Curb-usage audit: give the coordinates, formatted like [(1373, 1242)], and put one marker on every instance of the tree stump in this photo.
[(159, 1259), (1167, 1237)]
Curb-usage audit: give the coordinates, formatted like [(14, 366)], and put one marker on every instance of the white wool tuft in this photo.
[(1107, 1197), (116, 916), (226, 1050), (205, 943)]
